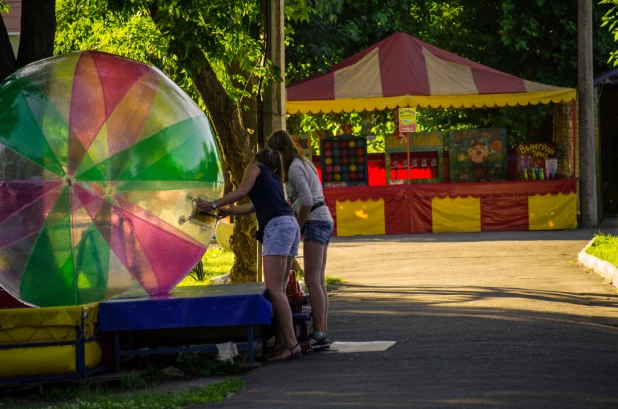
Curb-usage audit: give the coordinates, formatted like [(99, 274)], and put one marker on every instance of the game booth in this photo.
[(466, 180)]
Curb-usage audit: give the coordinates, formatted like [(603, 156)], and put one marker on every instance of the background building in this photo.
[(12, 22)]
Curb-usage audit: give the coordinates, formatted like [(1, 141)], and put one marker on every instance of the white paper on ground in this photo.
[(227, 351), (372, 346)]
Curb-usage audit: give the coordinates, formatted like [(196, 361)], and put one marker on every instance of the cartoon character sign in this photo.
[(477, 155)]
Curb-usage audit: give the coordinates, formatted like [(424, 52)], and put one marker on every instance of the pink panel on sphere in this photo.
[(162, 249), (126, 122), (129, 251), (118, 233), (114, 86), (28, 220), (87, 112), (89, 200), (137, 211), (15, 195)]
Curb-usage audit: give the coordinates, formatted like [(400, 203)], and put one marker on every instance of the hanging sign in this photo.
[(407, 119)]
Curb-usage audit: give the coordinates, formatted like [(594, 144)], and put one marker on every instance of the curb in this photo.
[(601, 267)]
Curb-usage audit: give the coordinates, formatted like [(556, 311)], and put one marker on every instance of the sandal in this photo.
[(272, 351), (280, 357)]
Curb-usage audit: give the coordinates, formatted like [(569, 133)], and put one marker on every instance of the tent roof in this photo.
[(607, 77), (403, 71)]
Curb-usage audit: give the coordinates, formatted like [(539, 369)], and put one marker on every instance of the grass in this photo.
[(333, 280), (605, 247), (88, 397), (217, 261)]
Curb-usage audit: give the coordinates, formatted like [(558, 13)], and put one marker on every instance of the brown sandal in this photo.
[(278, 357), (272, 351)]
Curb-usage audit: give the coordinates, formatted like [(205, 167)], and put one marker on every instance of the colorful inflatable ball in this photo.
[(102, 156)]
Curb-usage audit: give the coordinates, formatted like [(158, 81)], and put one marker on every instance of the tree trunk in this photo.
[(238, 151), (38, 30), (8, 64)]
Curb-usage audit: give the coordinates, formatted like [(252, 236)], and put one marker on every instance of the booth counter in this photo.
[(451, 207)]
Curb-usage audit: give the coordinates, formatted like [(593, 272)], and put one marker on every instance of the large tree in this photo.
[(38, 26), (214, 49)]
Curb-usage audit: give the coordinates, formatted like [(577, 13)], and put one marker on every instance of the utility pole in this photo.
[(585, 97), (274, 92), (273, 105)]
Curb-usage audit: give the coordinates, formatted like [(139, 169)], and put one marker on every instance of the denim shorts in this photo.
[(316, 231), (281, 237)]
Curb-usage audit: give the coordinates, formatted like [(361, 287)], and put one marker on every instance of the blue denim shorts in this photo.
[(316, 231), (281, 237)]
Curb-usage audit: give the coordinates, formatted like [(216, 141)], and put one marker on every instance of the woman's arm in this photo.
[(243, 190), (247, 208), (298, 179)]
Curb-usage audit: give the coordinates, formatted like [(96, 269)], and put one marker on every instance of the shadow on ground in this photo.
[(450, 356)]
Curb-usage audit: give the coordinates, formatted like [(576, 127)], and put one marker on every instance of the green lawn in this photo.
[(217, 261), (89, 397), (605, 247)]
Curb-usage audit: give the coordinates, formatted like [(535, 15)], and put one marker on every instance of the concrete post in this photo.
[(274, 92), (585, 96), (273, 106)]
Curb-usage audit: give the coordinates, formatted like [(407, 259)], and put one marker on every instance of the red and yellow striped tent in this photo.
[(402, 71)]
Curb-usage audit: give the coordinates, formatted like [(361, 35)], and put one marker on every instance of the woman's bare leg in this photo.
[(315, 261), (274, 277), (279, 343), (323, 280)]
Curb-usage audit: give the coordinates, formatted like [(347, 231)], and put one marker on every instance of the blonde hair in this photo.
[(281, 142)]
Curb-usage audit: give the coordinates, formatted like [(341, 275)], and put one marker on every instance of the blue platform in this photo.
[(187, 307)]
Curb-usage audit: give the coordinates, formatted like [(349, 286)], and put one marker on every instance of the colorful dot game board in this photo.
[(344, 161)]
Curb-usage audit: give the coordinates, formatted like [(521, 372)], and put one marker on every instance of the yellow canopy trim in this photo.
[(557, 95)]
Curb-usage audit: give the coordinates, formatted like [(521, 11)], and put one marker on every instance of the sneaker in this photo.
[(319, 340)]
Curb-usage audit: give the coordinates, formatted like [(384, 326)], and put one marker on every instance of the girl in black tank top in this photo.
[(279, 232)]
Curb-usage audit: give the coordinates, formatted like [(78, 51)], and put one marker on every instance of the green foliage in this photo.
[(605, 247), (133, 394), (93, 26), (4, 6), (154, 400), (333, 280), (216, 261), (227, 32), (610, 20)]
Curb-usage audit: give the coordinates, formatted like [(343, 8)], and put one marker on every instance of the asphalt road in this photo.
[(481, 320)]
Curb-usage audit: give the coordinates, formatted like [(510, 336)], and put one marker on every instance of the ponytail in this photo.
[(272, 160)]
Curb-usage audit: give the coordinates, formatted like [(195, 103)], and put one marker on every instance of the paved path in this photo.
[(491, 320)]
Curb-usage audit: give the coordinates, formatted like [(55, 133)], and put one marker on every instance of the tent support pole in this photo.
[(408, 153)]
